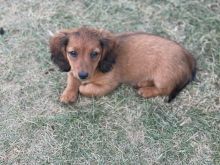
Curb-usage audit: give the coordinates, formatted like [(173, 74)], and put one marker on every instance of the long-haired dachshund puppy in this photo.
[(97, 61)]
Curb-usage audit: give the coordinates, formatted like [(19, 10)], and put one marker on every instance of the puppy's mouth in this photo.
[(83, 80)]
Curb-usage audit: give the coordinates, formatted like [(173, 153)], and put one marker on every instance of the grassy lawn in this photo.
[(120, 128)]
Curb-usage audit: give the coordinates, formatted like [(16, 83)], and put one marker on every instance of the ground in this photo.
[(120, 128)]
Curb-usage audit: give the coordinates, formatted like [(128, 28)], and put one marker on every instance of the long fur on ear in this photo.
[(108, 58), (58, 45)]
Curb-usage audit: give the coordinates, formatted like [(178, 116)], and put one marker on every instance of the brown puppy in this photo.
[(97, 61)]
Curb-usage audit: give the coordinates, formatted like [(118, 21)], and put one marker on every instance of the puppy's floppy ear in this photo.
[(58, 45), (107, 42)]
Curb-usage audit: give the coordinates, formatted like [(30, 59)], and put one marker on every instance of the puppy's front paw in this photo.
[(68, 97)]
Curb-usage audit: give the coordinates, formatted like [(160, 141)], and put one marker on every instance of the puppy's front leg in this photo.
[(93, 89), (71, 91)]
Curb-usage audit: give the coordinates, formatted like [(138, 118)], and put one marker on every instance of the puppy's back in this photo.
[(147, 57)]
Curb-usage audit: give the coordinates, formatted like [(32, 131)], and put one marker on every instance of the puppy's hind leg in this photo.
[(145, 83), (149, 90)]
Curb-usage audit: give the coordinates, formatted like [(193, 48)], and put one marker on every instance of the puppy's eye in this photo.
[(73, 53), (93, 54)]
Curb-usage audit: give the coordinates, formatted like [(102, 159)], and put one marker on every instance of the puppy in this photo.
[(97, 61)]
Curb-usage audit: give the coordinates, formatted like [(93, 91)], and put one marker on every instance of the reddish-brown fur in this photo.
[(156, 66)]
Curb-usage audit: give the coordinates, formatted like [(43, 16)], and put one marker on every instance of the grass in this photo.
[(120, 128)]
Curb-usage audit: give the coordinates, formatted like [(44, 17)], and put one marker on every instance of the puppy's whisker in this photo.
[(51, 34)]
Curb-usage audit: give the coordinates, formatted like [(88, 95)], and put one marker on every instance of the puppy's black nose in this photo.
[(83, 75)]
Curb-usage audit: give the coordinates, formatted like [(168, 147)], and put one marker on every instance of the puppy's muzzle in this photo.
[(83, 75)]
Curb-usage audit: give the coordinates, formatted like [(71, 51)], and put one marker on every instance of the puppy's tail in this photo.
[(179, 87)]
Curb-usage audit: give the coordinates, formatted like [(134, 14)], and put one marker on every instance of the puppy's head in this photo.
[(82, 51)]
